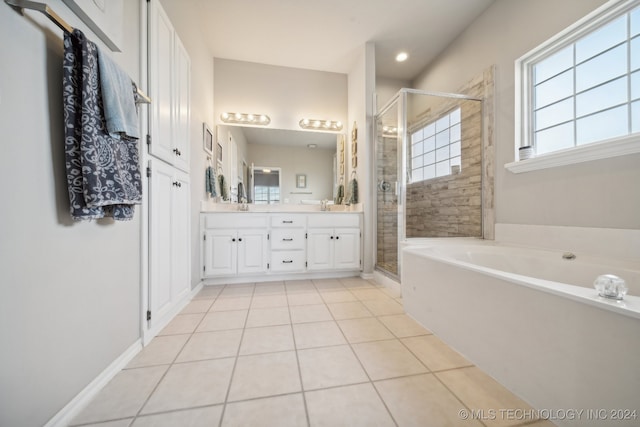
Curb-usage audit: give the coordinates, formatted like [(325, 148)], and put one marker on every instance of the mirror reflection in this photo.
[(284, 166)]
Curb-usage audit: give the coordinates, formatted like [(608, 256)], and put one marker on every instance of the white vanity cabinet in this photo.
[(288, 244), (234, 244), (279, 244), (333, 242)]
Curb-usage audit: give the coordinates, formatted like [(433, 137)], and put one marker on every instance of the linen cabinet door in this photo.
[(160, 239), (182, 106), (181, 237), (161, 83)]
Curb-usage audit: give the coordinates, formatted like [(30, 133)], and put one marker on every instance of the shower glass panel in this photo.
[(443, 179), (428, 171), (387, 143)]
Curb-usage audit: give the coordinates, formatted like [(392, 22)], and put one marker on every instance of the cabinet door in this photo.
[(161, 45), (182, 102), (320, 248), (347, 248), (160, 235), (252, 251), (220, 252), (181, 235)]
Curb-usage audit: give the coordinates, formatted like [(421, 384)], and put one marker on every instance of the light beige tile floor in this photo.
[(331, 352)]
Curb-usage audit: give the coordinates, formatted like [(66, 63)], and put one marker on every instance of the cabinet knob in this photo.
[(337, 237), (178, 153), (233, 240), (177, 184), (331, 237), (287, 261), (240, 239), (287, 240)]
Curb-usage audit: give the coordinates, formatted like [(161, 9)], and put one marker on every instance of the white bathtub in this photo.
[(533, 321)]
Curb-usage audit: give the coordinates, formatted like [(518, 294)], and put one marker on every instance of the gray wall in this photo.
[(70, 291), (600, 193)]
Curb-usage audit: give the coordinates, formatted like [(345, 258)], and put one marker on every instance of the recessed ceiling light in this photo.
[(312, 145), (402, 56)]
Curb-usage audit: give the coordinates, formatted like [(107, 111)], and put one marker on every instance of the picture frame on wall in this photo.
[(219, 153), (207, 139), (301, 181)]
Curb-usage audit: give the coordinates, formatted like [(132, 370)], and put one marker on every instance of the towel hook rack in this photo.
[(44, 8)]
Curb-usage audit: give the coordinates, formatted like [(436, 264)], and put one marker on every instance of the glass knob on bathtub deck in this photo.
[(611, 286)]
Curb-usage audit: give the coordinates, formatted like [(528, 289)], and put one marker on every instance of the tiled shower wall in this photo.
[(451, 206)]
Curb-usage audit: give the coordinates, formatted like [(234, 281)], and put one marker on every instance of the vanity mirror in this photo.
[(316, 156)]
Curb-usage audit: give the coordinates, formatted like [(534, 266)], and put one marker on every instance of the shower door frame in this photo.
[(400, 98)]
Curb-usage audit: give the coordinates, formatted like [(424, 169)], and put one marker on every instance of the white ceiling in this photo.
[(328, 35)]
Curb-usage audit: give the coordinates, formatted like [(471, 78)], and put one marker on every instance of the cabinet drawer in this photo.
[(234, 220), (288, 220), (285, 238), (334, 220), (287, 261)]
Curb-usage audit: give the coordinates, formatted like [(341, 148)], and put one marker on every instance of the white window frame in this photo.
[(628, 144)]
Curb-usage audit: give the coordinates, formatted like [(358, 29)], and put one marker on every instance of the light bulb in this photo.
[(402, 56)]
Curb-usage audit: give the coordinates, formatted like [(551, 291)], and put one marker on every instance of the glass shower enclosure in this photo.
[(428, 155)]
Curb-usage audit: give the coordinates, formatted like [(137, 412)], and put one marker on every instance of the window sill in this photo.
[(586, 153)]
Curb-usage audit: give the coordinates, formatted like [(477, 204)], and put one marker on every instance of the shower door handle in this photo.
[(384, 186), (396, 190)]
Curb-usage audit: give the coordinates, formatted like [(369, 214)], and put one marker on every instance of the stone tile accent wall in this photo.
[(452, 206)]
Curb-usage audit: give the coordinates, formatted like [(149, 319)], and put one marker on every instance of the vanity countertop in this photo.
[(208, 207)]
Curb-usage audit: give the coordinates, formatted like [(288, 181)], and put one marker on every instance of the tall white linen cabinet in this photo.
[(169, 71)]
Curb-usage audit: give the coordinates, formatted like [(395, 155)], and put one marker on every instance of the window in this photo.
[(583, 87), (436, 148), (267, 195)]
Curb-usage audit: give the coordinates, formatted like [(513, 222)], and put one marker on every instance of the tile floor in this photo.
[(301, 353)]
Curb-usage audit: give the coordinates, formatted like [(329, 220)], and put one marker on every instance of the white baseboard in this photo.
[(232, 280), (77, 404), (387, 282)]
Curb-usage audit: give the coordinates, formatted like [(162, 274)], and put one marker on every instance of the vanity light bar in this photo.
[(312, 124), (245, 119), (389, 131)]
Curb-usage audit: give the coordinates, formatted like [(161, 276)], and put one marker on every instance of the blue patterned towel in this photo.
[(223, 187), (210, 181), (103, 173), (353, 190), (339, 195), (118, 97)]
